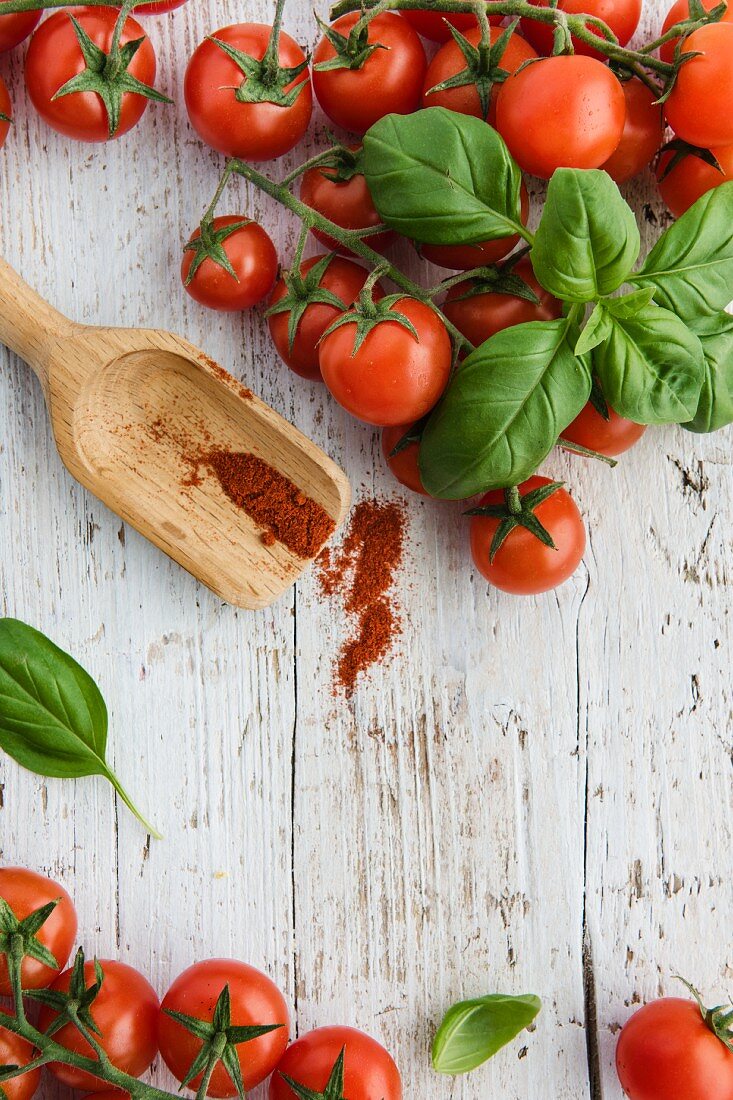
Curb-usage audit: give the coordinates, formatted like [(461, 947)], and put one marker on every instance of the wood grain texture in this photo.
[(529, 796)]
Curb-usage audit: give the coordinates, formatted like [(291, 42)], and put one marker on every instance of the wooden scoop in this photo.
[(128, 405)]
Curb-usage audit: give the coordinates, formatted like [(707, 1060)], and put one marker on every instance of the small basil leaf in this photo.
[(628, 305), (440, 177), (596, 330), (473, 1031), (650, 367), (503, 411), (691, 265), (587, 241), (715, 407), (53, 719)]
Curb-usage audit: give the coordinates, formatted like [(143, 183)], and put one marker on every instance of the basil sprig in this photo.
[(53, 719), (662, 352), (473, 1031)]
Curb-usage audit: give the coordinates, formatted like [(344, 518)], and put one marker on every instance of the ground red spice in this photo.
[(361, 573), (224, 376)]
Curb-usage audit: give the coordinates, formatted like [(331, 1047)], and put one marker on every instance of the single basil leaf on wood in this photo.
[(504, 410), (691, 265), (650, 366), (440, 177), (473, 1031), (53, 719), (715, 407), (587, 241)]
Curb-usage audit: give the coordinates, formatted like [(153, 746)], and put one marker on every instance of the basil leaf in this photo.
[(53, 719), (650, 366), (587, 241), (715, 407), (440, 177), (473, 1031), (691, 265), (596, 330), (503, 411)]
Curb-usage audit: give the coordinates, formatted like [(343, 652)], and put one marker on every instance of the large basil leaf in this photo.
[(53, 719), (715, 408), (503, 411), (440, 177), (650, 366), (691, 265), (587, 241), (473, 1031)]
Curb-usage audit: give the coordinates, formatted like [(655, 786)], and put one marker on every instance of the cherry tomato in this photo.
[(561, 112), (159, 7), (14, 29), (346, 203), (393, 378), (642, 135), (609, 437), (523, 565), (15, 1051), (126, 1014), (484, 314), (404, 464), (680, 11), (342, 277), (6, 108), (369, 1071), (25, 892), (389, 82), (463, 257), (449, 61), (622, 16), (700, 106), (255, 1000), (692, 177), (435, 24), (54, 57), (666, 1051), (252, 131), (253, 257)]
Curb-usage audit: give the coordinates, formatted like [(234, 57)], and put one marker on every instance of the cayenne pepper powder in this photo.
[(361, 573)]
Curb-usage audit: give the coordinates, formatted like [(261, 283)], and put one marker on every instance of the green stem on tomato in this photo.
[(113, 59), (271, 59), (513, 500)]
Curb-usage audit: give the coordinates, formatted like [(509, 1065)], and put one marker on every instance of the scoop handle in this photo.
[(29, 326)]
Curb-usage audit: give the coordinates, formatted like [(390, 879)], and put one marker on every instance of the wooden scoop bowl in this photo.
[(126, 404)]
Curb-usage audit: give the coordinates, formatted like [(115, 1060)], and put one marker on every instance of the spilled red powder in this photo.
[(361, 573), (224, 376)]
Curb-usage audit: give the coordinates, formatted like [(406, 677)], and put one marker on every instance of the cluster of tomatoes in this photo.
[(132, 1026)]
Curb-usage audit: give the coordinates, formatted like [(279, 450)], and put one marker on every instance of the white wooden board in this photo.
[(530, 796)]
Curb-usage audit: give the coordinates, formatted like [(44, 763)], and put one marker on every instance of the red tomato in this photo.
[(449, 61), (463, 257), (561, 112), (523, 565), (6, 108), (389, 82), (15, 1051), (126, 1013), (252, 131), (622, 16), (369, 1071), (393, 378), (159, 7), (700, 106), (342, 277), (25, 892), (666, 1051), (54, 57), (435, 24), (346, 203), (255, 1000), (253, 257), (680, 11), (404, 464), (692, 177), (484, 314), (14, 29), (609, 437), (642, 135)]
